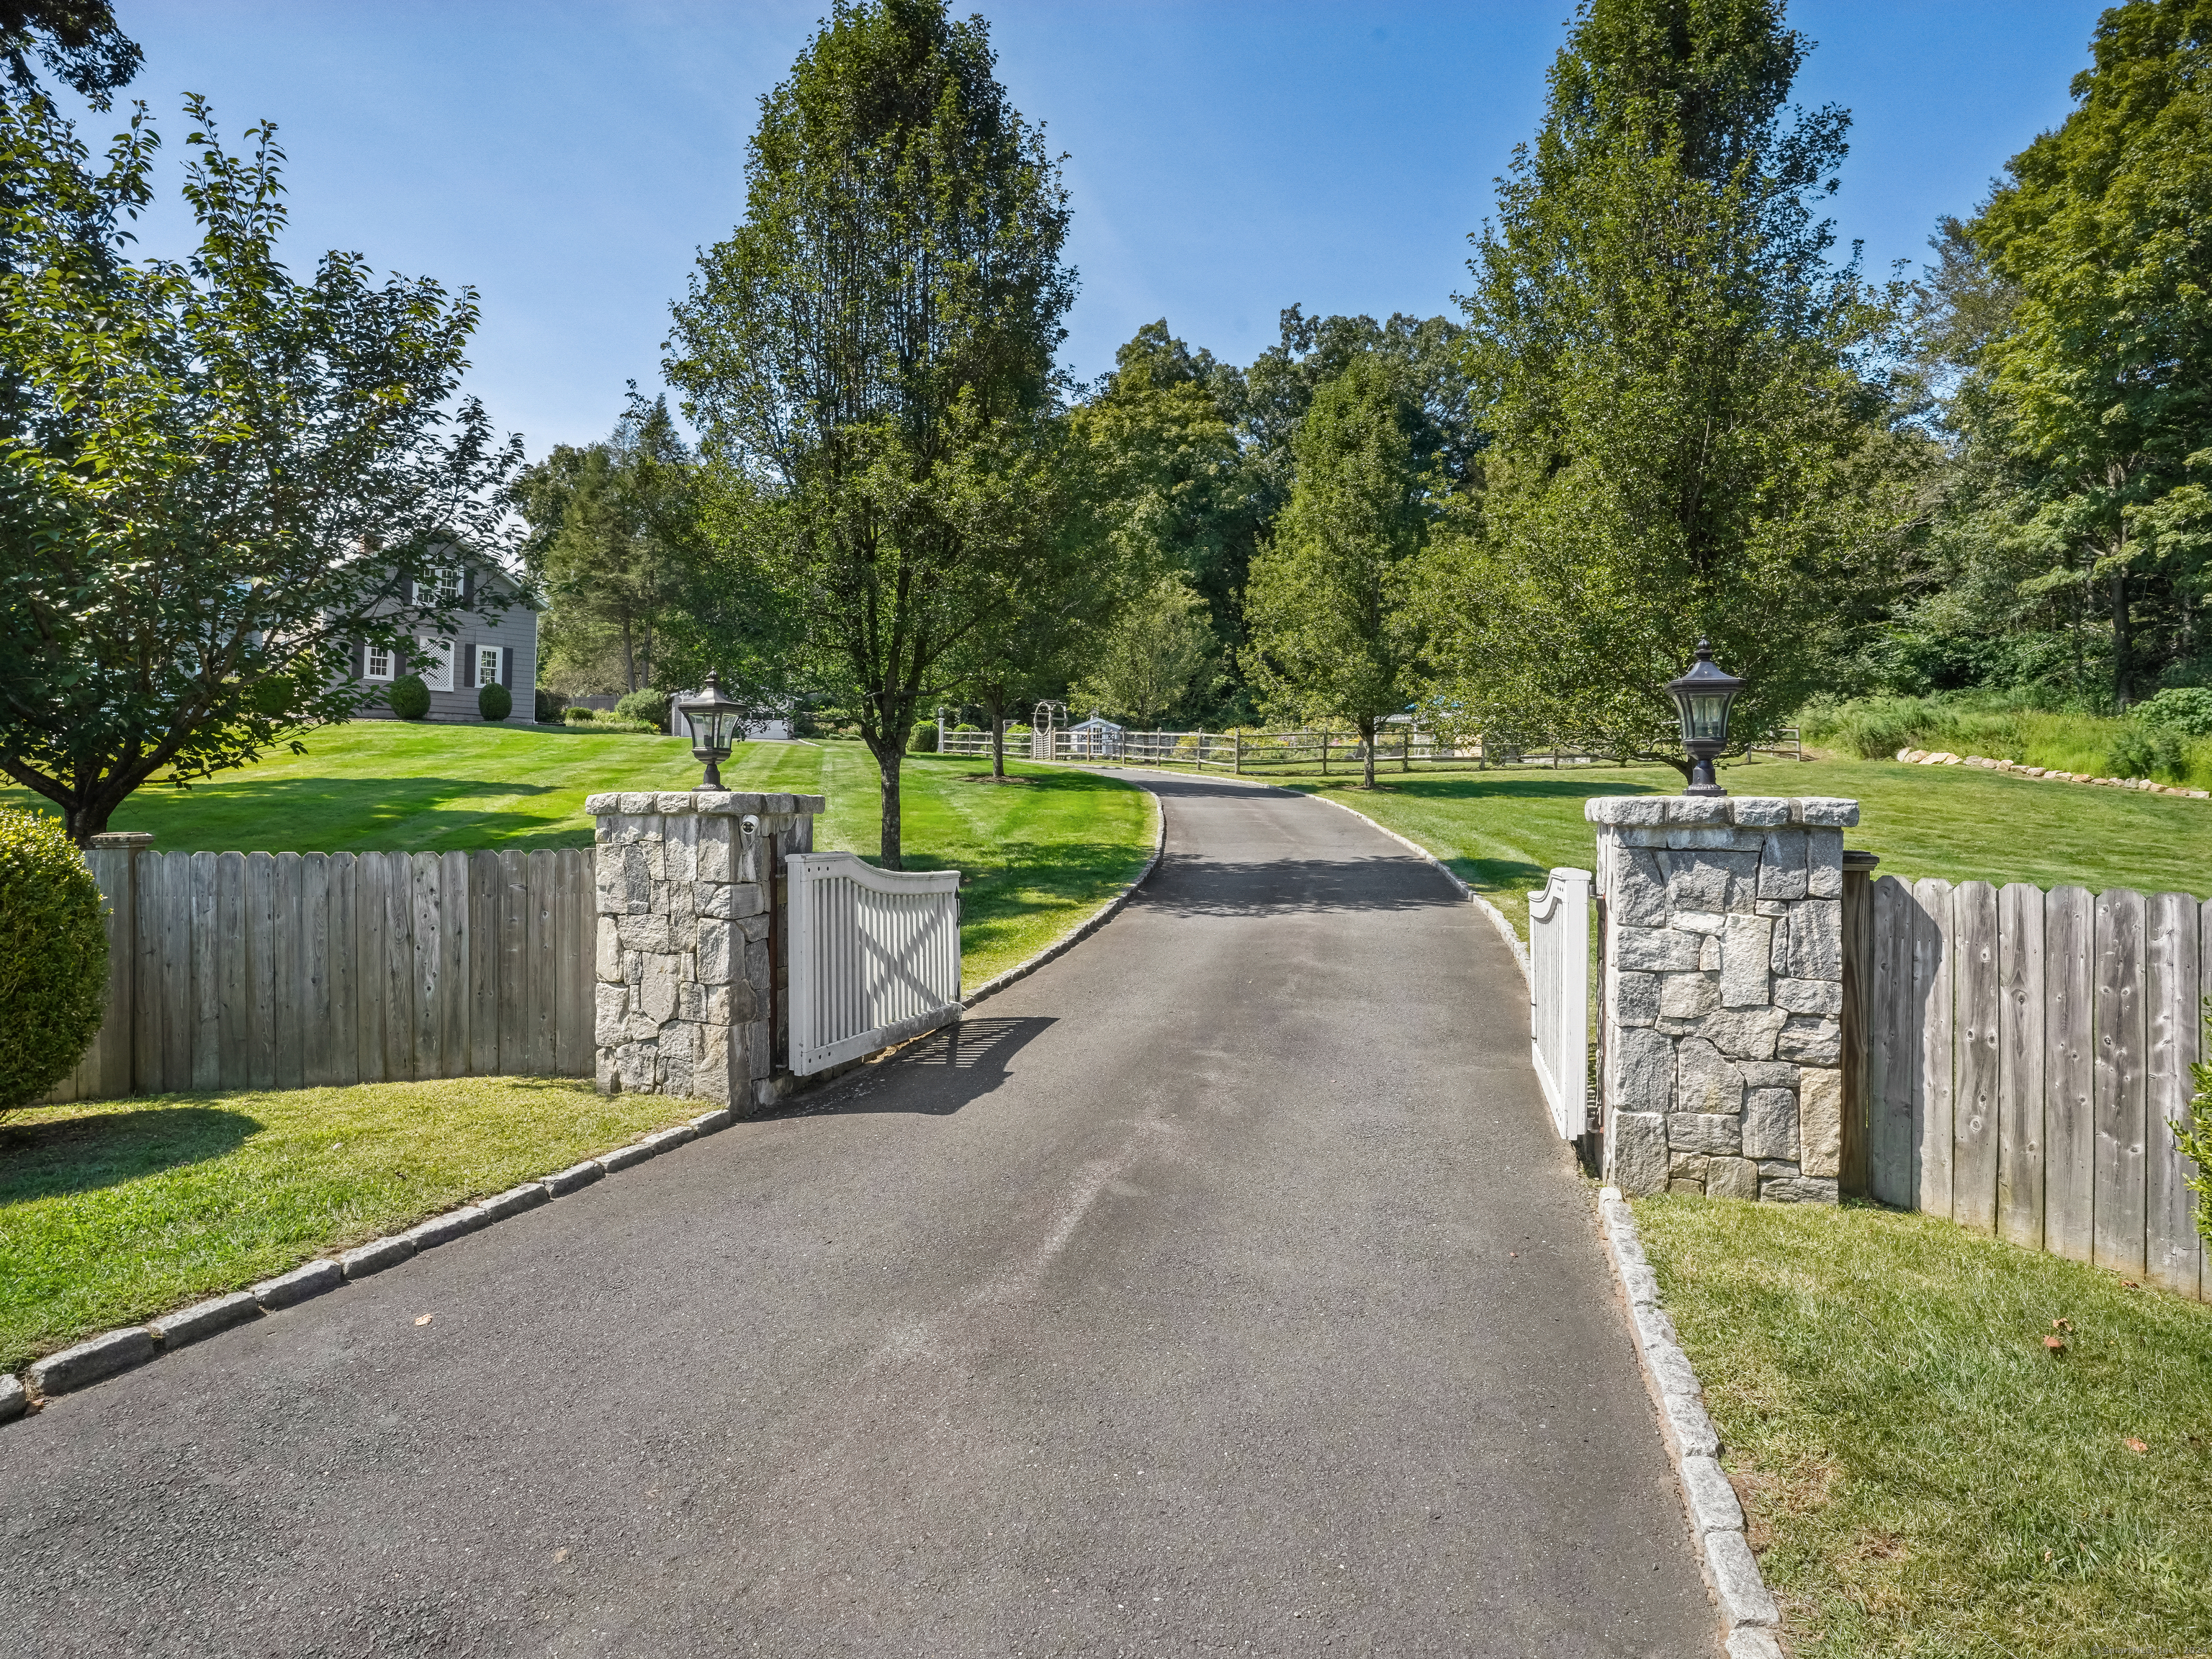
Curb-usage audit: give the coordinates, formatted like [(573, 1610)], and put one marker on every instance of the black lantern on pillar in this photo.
[(1703, 696), (715, 721)]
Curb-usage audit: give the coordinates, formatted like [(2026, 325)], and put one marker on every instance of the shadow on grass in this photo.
[(105, 1149), (935, 1077), (330, 815)]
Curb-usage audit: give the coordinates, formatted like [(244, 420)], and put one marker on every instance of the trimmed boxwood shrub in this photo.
[(548, 705), (53, 955), (494, 702), (651, 707), (922, 740), (409, 697)]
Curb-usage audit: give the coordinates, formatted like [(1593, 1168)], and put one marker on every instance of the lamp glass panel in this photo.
[(1707, 714)]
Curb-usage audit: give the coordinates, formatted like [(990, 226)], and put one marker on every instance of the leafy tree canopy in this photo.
[(1690, 429), (77, 39), (1332, 637), (869, 358), (222, 477), (2096, 385)]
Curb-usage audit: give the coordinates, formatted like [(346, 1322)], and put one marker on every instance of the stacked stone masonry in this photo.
[(686, 981), (1723, 994)]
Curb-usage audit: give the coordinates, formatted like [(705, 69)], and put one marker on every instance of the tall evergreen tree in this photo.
[(1686, 437), (869, 357)]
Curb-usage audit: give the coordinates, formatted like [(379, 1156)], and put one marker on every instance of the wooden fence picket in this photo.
[(1933, 1123), (1977, 1058), (1893, 1047), (2121, 1097), (2172, 1024), (2019, 1064), (2069, 1057)]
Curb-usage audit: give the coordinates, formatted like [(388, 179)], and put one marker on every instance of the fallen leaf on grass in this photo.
[(2057, 1344), (2130, 1285), (426, 1319), (2062, 1324), (2134, 1444)]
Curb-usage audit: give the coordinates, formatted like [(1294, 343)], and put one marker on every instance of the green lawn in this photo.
[(1923, 1475), (1500, 831), (115, 1210), (1041, 851)]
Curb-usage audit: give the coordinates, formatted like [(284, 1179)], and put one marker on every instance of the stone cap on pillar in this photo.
[(126, 839), (720, 803), (1736, 811)]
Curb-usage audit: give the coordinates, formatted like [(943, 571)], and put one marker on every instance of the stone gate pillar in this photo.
[(690, 999), (1722, 994)]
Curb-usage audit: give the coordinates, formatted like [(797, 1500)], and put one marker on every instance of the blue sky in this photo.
[(1225, 160)]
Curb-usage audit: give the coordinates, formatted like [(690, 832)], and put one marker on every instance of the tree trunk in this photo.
[(1367, 749), (629, 659), (2120, 641), (997, 744), (887, 763)]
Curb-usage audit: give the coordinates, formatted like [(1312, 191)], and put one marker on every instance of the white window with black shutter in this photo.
[(376, 663), (489, 665)]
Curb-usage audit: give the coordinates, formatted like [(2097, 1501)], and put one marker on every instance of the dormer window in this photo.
[(442, 585)]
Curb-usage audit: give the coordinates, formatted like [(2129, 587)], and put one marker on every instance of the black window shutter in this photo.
[(468, 588), (360, 659), (507, 666), (466, 678)]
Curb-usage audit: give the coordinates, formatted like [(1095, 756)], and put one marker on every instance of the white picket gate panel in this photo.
[(875, 956), (1559, 996)]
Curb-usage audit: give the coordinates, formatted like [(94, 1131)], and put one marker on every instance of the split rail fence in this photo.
[(1405, 747), (285, 970), (2020, 1055)]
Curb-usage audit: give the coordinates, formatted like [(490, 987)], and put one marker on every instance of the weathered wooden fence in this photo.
[(284, 970), (2024, 1053)]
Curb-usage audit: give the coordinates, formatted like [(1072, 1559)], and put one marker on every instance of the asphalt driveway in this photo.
[(1219, 1289)]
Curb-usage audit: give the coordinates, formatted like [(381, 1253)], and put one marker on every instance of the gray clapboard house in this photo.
[(502, 647)]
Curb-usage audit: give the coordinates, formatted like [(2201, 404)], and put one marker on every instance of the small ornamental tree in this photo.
[(220, 480), (53, 956)]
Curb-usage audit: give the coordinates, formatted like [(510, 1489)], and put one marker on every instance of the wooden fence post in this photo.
[(1858, 974), (2175, 1020), (1978, 1056)]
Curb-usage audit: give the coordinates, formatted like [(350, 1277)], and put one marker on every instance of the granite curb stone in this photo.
[(14, 1400), (92, 1361), (203, 1319), (309, 1278), (1715, 1514), (513, 1201), (440, 1229), (622, 1157), (376, 1256), (574, 1178)]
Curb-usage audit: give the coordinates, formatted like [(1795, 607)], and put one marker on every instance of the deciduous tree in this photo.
[(222, 477), (869, 357), (1690, 429), (1333, 635)]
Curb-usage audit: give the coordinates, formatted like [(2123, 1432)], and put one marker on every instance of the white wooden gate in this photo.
[(1559, 996), (875, 956)]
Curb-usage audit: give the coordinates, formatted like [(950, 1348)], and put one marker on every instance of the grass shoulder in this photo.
[(112, 1212), (1502, 832), (1923, 1473)]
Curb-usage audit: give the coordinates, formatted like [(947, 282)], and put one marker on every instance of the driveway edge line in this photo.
[(1068, 942), (1749, 1618), (1496, 915), (320, 1274)]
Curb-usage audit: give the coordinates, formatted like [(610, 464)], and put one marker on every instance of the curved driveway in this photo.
[(1218, 1289)]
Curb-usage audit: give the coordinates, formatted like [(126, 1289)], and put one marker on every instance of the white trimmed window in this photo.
[(442, 586), (376, 663), (487, 665), (435, 663)]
